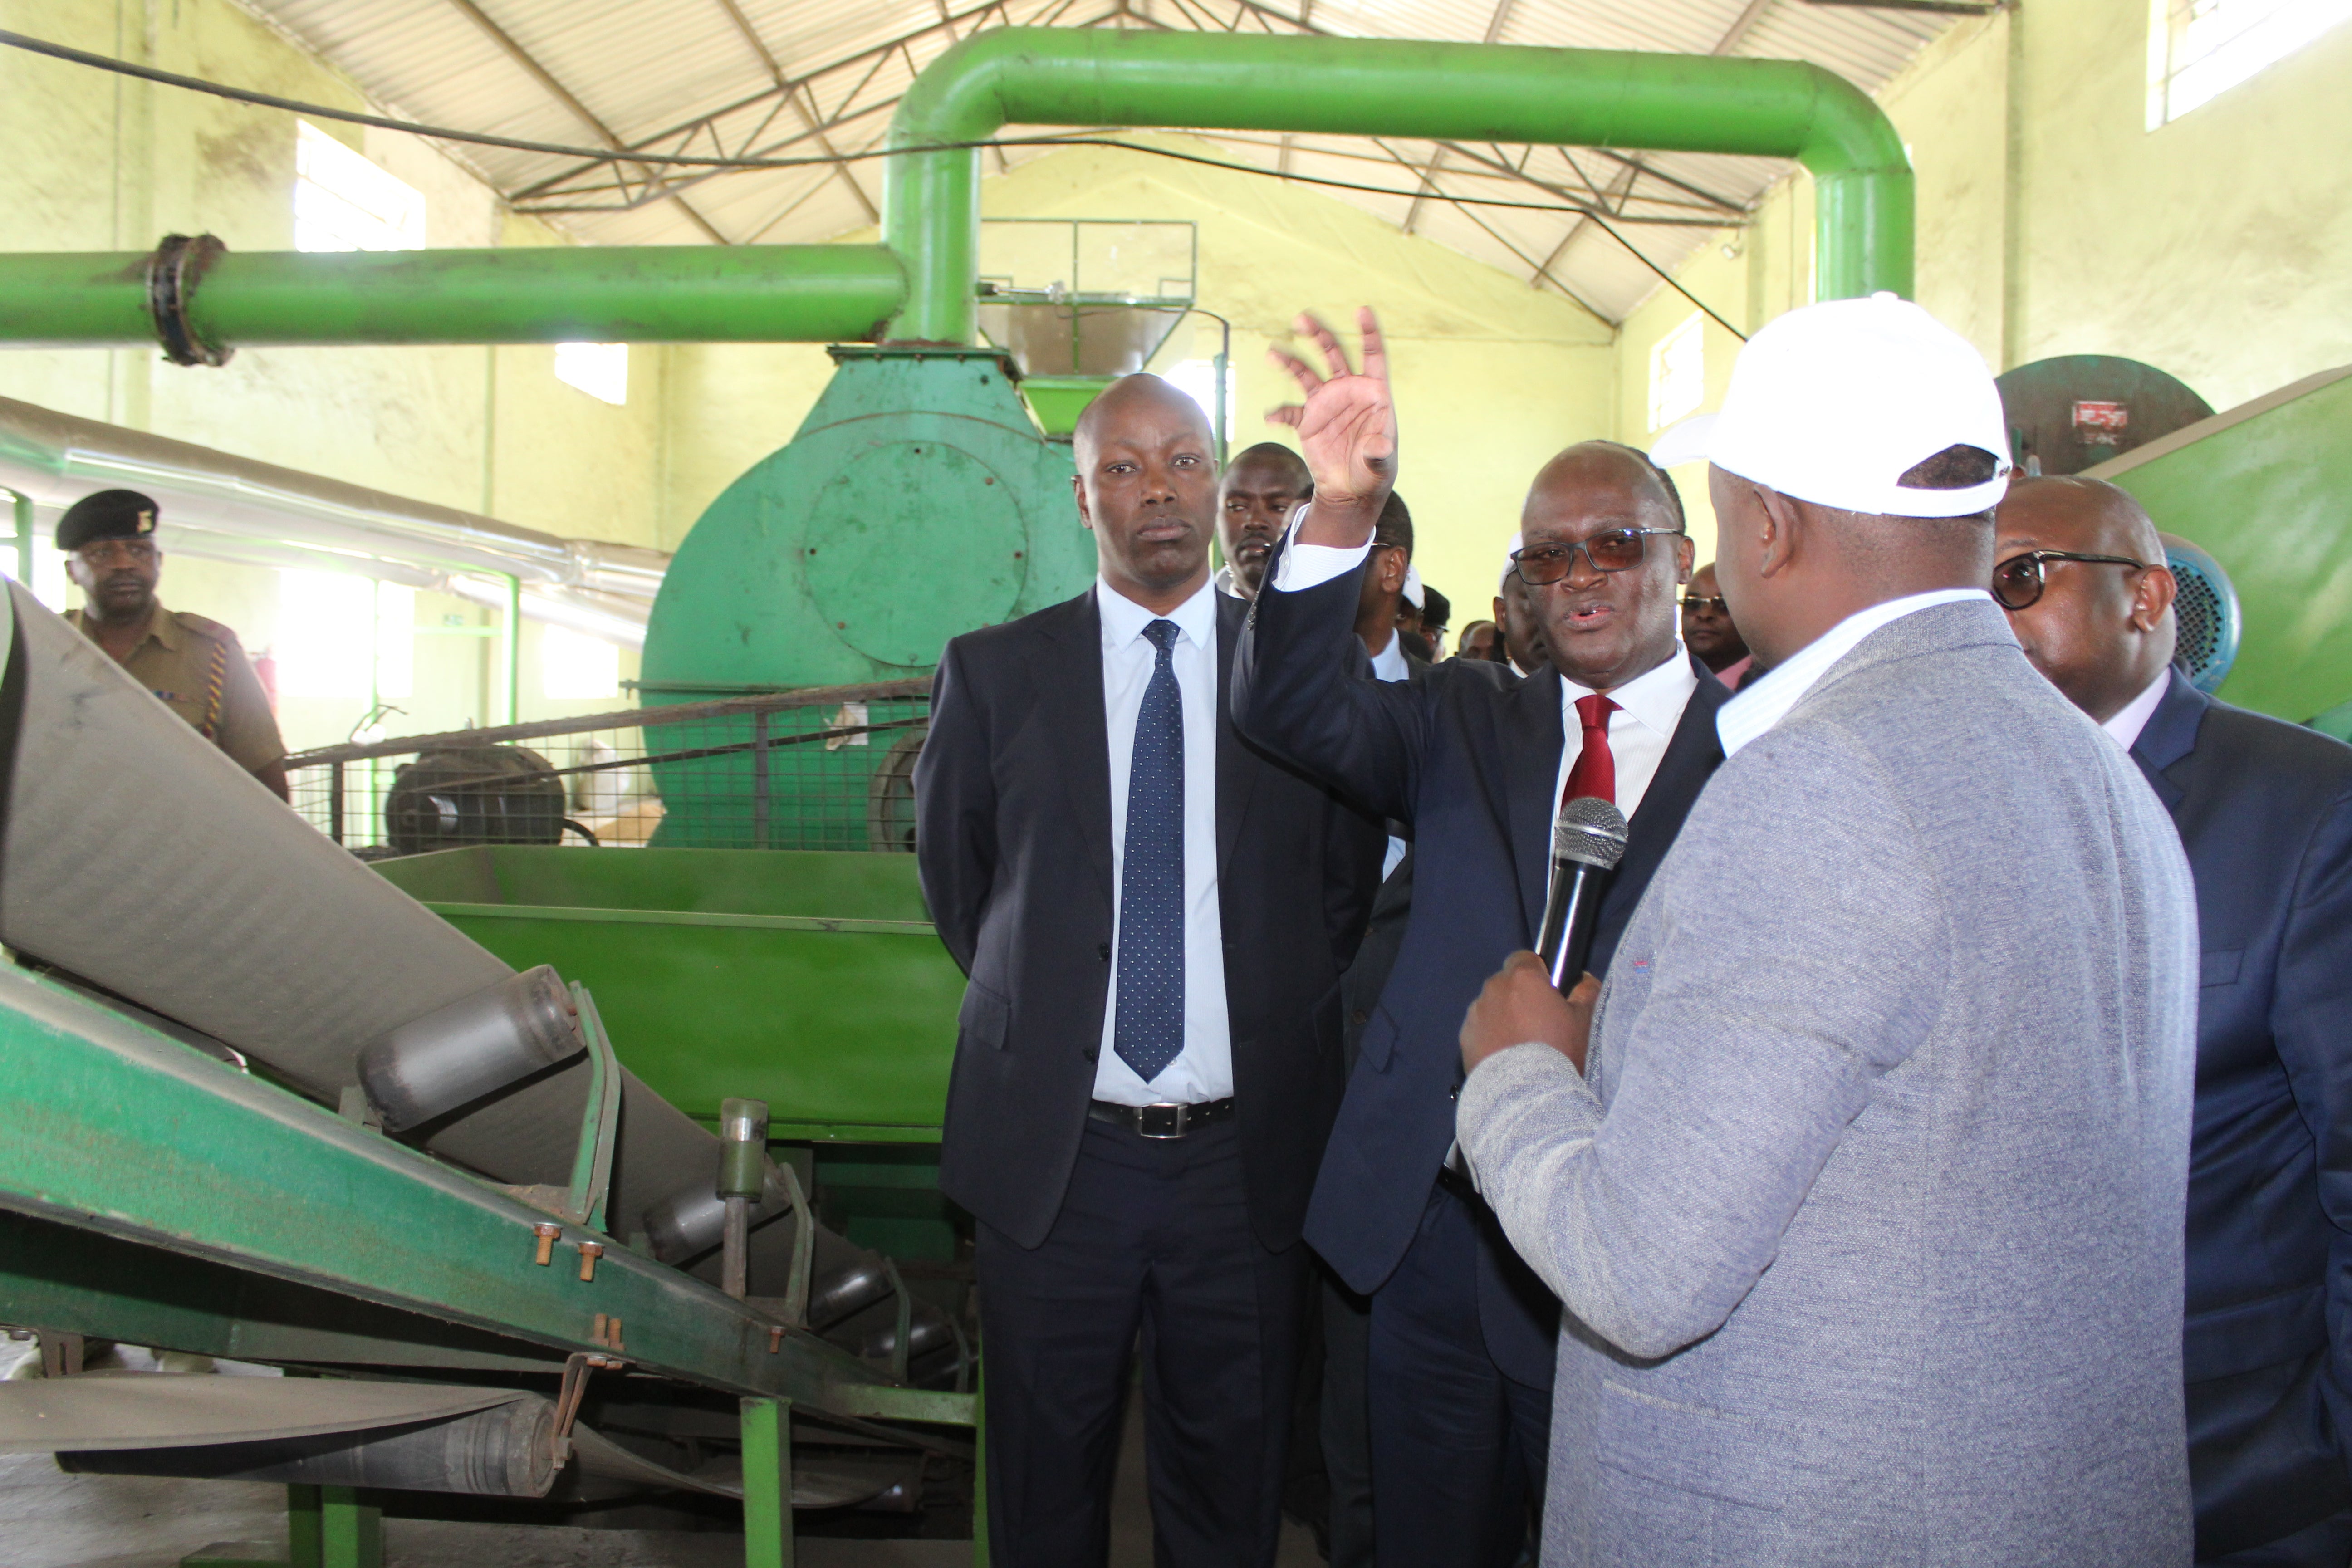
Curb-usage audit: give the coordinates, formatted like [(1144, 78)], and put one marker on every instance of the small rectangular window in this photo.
[(1678, 373), (573, 666), (316, 650), (600, 370), (2199, 49), (344, 202)]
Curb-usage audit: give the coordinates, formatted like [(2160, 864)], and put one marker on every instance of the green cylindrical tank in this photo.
[(852, 554)]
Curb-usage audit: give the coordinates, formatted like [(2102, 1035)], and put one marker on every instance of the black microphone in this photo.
[(1588, 839)]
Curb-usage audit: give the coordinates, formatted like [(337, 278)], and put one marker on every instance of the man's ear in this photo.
[(2153, 597), (1079, 489), (1686, 556), (1777, 522)]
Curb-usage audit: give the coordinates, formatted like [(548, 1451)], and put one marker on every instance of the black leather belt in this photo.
[(1161, 1121)]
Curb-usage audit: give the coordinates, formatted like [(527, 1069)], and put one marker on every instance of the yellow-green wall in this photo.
[(2052, 221)]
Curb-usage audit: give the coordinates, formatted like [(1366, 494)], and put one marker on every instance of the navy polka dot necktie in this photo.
[(1149, 1029)]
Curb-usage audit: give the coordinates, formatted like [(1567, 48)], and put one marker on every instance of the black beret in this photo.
[(107, 514)]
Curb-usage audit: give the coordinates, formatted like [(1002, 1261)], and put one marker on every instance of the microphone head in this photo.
[(1588, 829)]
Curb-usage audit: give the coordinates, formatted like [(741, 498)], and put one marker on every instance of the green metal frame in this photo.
[(1471, 92), (112, 1128)]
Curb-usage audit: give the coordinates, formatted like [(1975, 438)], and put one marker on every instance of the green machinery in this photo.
[(2266, 487), (155, 1192)]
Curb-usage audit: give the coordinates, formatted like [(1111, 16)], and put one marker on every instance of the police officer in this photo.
[(195, 665)]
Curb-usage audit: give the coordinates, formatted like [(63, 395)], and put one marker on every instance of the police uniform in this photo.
[(192, 664), (195, 666)]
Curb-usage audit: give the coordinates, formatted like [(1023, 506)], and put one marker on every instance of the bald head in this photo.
[(1147, 486), (1132, 399), (2101, 631)]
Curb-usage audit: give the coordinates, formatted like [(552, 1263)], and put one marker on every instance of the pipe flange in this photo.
[(178, 265)]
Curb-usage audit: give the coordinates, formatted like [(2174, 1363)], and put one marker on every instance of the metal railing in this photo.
[(817, 768)]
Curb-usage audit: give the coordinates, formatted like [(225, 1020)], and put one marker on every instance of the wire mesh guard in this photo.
[(821, 768)]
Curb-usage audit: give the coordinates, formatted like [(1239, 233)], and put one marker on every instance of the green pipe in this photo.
[(682, 293), (1465, 92)]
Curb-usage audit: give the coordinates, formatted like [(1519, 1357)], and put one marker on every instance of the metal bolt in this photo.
[(547, 1234), (597, 1334), (613, 1334), (775, 1340), (588, 1252)]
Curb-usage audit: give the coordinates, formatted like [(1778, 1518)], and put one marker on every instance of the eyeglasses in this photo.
[(1619, 550), (1705, 602), (2017, 582)]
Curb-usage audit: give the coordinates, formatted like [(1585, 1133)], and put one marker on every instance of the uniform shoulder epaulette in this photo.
[(203, 627)]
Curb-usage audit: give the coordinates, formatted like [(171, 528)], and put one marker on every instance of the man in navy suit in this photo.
[(1477, 761), (1154, 918), (2264, 810)]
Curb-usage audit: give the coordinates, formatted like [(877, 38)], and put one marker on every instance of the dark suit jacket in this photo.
[(1469, 754), (1013, 837), (2264, 809)]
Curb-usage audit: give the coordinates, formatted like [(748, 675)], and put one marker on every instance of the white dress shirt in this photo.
[(1204, 1069), (2133, 717), (1389, 665), (1766, 701), (1649, 706), (1223, 581)]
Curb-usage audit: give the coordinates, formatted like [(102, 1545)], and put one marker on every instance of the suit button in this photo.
[(1092, 1052), (1102, 951), (1360, 1017), (1454, 1093)]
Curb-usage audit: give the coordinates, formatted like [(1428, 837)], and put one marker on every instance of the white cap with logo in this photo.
[(1834, 402)]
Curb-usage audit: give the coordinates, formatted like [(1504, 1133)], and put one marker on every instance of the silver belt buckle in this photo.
[(1161, 1121)]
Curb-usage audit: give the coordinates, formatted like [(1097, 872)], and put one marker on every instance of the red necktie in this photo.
[(1595, 771)]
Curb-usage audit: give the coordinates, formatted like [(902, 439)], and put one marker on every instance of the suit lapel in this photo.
[(1065, 672), (1236, 776), (2169, 736), (1533, 738), (1692, 754)]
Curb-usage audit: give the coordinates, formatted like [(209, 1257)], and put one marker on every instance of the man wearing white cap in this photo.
[(1865, 1200)]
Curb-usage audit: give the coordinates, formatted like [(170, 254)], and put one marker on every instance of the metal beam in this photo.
[(108, 1127), (792, 97), (562, 95)]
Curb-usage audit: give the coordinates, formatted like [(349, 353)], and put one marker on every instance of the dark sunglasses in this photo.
[(1619, 550), (1704, 602), (2017, 582)]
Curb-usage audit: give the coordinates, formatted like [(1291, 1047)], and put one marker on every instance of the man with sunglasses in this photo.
[(1708, 631), (1462, 1337), (1861, 1176), (193, 665), (2264, 810)]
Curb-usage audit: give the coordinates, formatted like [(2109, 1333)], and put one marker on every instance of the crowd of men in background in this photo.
[(1864, 1191)]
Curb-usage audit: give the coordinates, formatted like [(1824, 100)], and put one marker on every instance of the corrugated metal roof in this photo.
[(796, 78)]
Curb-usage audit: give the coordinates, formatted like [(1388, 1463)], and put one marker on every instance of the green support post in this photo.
[(326, 1527), (23, 537), (767, 1483), (1380, 87)]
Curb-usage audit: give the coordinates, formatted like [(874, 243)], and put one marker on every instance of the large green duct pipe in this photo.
[(1465, 92), (774, 293)]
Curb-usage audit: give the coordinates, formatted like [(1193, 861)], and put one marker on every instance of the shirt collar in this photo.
[(1123, 619), (161, 626), (2134, 716), (1656, 696), (1764, 701), (1389, 664)]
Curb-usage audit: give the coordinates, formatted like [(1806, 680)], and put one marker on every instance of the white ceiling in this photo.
[(816, 77)]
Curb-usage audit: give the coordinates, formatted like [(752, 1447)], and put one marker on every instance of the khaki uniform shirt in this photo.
[(195, 666)]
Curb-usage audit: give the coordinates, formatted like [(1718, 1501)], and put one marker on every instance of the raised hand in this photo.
[(1347, 428)]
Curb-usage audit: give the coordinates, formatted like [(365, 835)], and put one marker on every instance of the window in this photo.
[(1197, 379), (600, 370), (2199, 49), (323, 644), (342, 202), (1678, 373), (573, 666)]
